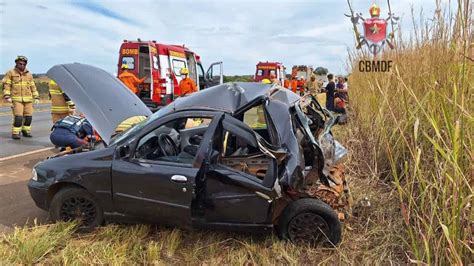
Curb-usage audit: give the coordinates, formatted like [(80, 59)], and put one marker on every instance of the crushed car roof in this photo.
[(230, 97), (105, 101)]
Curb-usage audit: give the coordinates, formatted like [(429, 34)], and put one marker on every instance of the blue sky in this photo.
[(239, 33)]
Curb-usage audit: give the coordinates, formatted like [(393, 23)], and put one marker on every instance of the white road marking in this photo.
[(24, 154)]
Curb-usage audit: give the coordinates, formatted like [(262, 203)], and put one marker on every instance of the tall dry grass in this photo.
[(418, 127)]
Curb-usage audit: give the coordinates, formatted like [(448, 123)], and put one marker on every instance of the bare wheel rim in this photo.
[(79, 209), (308, 227)]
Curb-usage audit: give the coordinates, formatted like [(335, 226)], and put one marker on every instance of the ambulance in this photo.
[(161, 64), (266, 69)]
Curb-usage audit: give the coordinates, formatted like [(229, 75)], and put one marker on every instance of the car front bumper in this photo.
[(39, 193)]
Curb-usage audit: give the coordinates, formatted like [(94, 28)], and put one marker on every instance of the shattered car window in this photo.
[(255, 117), (176, 141), (242, 150)]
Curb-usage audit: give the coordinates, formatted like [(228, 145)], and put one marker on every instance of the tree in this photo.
[(321, 71)]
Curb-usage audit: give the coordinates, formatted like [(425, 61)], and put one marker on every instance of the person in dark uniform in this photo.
[(71, 131), (330, 88)]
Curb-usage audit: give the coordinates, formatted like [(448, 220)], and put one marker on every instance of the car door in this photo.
[(215, 74), (156, 190), (236, 193)]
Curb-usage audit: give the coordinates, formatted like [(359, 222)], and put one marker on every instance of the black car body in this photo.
[(200, 162)]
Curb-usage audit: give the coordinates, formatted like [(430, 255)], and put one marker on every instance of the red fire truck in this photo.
[(302, 71), (266, 69), (161, 63)]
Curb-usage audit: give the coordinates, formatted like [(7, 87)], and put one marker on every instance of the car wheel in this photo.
[(310, 221), (76, 204)]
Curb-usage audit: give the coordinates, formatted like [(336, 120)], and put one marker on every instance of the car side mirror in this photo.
[(124, 151)]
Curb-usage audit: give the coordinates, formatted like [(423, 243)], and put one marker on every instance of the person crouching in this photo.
[(71, 131)]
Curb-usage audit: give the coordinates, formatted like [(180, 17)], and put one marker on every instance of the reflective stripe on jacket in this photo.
[(59, 101), (19, 86)]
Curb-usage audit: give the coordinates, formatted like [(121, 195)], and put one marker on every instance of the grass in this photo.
[(410, 136), (418, 122), (371, 236)]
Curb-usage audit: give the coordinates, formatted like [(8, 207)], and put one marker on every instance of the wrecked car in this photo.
[(238, 156)]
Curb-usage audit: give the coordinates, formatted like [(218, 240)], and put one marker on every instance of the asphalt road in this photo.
[(17, 208), (41, 128)]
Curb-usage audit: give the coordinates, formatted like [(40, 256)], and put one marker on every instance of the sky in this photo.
[(239, 33)]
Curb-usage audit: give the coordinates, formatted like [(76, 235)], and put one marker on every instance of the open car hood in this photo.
[(104, 100)]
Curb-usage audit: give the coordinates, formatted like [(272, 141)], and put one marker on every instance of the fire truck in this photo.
[(301, 71), (266, 69), (161, 64)]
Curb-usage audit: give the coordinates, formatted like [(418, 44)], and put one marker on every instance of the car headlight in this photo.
[(34, 175)]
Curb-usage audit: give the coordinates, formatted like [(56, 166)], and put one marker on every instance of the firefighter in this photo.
[(186, 85), (129, 122), (72, 131), (20, 90), (312, 85), (294, 84), (130, 80), (286, 83), (274, 79), (61, 104), (300, 84)]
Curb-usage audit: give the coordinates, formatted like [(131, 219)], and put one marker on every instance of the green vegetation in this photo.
[(244, 78), (417, 126), (321, 71), (410, 137)]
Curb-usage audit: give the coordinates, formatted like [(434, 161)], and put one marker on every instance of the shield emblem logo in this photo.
[(375, 29)]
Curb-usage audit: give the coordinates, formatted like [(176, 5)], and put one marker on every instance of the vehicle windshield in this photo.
[(130, 131)]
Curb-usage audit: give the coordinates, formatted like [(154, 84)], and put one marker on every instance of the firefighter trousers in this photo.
[(56, 117), (22, 117)]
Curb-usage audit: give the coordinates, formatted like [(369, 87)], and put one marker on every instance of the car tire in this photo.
[(310, 221), (72, 203)]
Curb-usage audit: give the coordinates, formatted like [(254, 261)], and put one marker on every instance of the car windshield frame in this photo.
[(130, 131)]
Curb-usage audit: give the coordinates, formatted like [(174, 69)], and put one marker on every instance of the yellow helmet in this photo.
[(266, 81), (124, 66), (184, 71), (52, 82), (21, 58)]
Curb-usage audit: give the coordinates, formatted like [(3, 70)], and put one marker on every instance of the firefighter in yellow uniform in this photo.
[(129, 122), (312, 85), (20, 90), (61, 105)]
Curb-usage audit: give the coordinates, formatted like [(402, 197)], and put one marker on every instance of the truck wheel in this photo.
[(76, 204), (310, 221)]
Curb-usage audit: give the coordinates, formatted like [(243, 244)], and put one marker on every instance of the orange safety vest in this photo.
[(131, 81), (187, 86), (294, 85)]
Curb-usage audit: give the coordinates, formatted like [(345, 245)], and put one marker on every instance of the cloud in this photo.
[(239, 33), (101, 10)]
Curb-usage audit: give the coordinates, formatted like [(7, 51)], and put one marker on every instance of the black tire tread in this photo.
[(311, 205), (65, 192)]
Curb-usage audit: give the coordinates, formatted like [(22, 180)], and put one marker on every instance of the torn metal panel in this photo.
[(336, 195)]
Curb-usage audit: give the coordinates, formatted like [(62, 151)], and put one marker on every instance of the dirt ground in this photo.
[(17, 207)]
